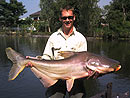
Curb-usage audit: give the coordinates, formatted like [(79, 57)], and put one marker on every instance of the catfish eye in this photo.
[(95, 63), (92, 63)]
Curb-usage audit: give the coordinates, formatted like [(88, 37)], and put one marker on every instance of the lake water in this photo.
[(28, 86)]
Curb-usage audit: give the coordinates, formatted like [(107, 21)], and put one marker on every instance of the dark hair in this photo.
[(68, 7)]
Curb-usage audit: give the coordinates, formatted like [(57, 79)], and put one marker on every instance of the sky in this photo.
[(32, 6), (104, 2)]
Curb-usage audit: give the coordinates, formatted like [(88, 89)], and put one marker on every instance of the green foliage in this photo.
[(118, 18), (87, 14), (113, 21), (10, 13), (39, 25), (27, 21)]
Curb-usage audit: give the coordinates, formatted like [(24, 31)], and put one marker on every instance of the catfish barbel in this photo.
[(77, 65)]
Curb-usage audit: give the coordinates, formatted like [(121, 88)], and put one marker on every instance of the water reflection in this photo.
[(27, 85)]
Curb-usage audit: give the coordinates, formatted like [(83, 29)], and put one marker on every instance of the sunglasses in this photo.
[(69, 17)]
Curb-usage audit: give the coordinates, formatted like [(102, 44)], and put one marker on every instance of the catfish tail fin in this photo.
[(18, 63)]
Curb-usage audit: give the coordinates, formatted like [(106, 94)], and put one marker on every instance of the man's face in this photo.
[(67, 19)]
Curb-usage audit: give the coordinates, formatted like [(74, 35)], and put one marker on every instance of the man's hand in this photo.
[(27, 57), (36, 58), (29, 64)]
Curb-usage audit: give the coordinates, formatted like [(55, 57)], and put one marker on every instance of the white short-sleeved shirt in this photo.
[(75, 42)]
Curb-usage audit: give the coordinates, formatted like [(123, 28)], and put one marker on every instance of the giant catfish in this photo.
[(77, 65)]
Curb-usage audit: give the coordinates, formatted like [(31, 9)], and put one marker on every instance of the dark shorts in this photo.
[(59, 90)]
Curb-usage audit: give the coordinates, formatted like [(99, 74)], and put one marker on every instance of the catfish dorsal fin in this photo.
[(45, 80), (69, 83), (66, 54)]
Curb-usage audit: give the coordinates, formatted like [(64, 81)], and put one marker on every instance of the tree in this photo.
[(89, 16), (10, 12), (118, 17), (46, 12), (3, 12), (87, 13)]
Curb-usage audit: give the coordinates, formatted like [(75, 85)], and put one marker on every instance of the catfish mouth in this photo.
[(92, 74), (100, 70)]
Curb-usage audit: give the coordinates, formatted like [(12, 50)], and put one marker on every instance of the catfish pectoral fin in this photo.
[(69, 83), (45, 80)]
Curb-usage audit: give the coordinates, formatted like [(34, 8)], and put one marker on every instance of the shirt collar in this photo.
[(60, 32)]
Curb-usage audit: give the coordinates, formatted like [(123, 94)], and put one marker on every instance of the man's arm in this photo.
[(48, 54)]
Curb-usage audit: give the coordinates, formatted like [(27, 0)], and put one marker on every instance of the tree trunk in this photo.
[(124, 13), (49, 29)]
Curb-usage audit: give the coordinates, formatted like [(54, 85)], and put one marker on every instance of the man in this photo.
[(65, 39)]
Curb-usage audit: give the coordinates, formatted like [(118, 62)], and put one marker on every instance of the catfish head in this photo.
[(100, 64)]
